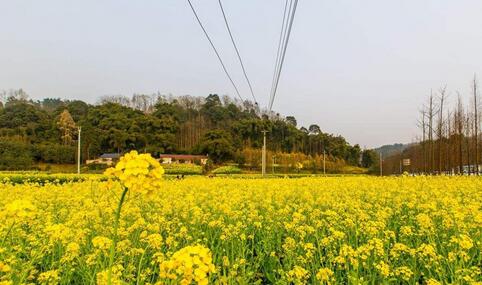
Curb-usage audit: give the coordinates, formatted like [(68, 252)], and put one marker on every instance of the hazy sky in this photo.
[(361, 69)]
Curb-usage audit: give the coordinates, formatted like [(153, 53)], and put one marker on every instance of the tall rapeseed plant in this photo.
[(139, 173)]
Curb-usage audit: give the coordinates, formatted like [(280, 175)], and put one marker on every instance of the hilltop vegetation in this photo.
[(46, 131), (391, 149)]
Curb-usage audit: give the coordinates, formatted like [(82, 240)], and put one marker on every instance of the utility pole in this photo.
[(476, 128), (381, 165), (324, 161), (78, 152), (274, 157), (263, 159)]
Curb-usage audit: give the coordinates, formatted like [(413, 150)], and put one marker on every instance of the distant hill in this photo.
[(227, 130), (391, 149)]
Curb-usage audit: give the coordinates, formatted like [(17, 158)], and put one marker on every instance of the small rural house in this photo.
[(183, 158), (106, 158)]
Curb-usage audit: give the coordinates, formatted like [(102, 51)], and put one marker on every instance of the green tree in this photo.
[(78, 109), (15, 155), (218, 145), (291, 120), (54, 153), (370, 159), (314, 129), (26, 120), (51, 104)]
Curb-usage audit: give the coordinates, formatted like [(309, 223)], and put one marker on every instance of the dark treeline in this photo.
[(449, 140), (46, 130)]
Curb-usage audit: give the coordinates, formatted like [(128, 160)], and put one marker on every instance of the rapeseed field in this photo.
[(334, 230)]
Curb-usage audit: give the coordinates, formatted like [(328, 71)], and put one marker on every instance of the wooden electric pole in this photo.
[(324, 161), (263, 159), (381, 164), (78, 151)]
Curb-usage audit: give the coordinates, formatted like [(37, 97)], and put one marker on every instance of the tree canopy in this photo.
[(214, 125)]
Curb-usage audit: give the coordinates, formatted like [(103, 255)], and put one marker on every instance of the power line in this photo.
[(215, 50), (283, 53), (289, 23), (281, 40), (237, 51)]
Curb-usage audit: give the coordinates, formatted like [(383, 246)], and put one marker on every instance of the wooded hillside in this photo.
[(225, 129)]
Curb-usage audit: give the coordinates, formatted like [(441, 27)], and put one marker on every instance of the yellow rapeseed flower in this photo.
[(138, 172), (189, 264)]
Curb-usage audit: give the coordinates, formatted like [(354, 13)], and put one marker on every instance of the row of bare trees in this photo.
[(449, 141)]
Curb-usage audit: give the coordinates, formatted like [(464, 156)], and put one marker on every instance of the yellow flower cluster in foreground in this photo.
[(192, 263), (352, 230), (138, 172)]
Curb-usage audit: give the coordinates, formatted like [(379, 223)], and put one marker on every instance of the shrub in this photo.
[(22, 177), (227, 170), (97, 166), (185, 169)]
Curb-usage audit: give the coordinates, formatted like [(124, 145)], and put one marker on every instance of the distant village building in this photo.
[(471, 169), (183, 158), (106, 158)]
